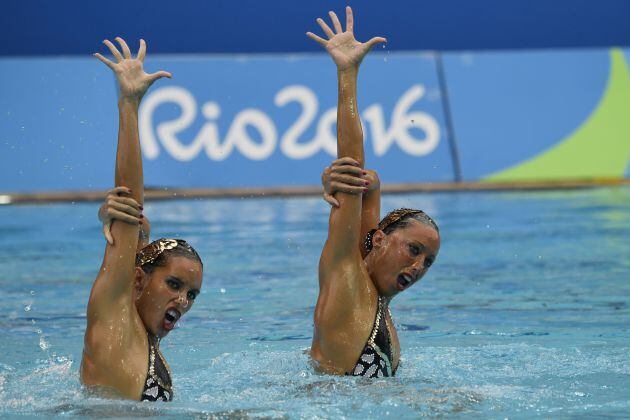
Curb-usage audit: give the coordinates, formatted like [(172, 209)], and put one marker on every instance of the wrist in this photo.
[(370, 191), (132, 101), (351, 71)]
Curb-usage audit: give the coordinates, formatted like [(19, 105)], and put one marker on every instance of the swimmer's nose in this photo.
[(182, 300), (416, 268)]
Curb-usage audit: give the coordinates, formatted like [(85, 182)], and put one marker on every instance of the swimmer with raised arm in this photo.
[(137, 297), (360, 272)]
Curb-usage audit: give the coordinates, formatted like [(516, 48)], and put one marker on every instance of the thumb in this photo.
[(107, 232), (376, 40), (158, 75), (331, 200)]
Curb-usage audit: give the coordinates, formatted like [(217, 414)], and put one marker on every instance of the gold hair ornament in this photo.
[(151, 252)]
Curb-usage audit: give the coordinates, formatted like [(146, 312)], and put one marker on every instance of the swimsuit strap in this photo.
[(152, 353), (375, 360), (158, 385), (377, 320)]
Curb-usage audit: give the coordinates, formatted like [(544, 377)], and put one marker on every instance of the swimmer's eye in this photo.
[(173, 284), (415, 250), (191, 295), (428, 262)]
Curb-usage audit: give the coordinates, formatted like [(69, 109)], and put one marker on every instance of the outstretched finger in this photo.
[(347, 169), (126, 201), (317, 39), (325, 28), (349, 19), (344, 161), (108, 233), (348, 189), (335, 21), (142, 51), (119, 190), (113, 50), (331, 200), (125, 48), (349, 180), (376, 40), (123, 208), (104, 60), (114, 214), (158, 75)]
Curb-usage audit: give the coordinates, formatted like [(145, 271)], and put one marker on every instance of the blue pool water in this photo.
[(525, 313)]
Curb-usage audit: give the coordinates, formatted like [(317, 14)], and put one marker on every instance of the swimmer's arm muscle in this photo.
[(370, 209), (345, 220), (119, 261)]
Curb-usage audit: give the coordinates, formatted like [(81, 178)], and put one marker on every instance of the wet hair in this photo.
[(158, 253), (399, 219)]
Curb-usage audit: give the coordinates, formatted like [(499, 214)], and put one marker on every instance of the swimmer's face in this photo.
[(403, 257), (168, 293)]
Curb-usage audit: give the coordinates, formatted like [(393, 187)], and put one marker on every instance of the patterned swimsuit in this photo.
[(376, 359), (158, 385)]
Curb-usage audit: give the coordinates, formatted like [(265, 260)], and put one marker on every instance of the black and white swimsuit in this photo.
[(376, 359), (158, 385)]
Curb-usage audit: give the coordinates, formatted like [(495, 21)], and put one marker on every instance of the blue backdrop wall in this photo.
[(267, 119), (43, 27)]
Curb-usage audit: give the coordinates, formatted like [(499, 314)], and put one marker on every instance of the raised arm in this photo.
[(120, 206), (345, 175), (370, 208), (347, 53), (119, 261)]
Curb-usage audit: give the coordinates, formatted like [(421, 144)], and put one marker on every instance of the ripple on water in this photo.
[(520, 316)]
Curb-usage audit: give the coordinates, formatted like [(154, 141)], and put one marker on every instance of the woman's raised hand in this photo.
[(119, 206), (133, 82), (345, 51), (345, 175)]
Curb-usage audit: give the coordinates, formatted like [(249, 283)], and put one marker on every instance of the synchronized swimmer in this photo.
[(139, 294), (364, 263), (144, 288)]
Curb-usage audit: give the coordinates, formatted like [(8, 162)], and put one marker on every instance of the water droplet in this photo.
[(43, 344), (27, 308), (222, 290)]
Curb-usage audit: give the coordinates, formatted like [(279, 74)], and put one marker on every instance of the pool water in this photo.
[(525, 312)]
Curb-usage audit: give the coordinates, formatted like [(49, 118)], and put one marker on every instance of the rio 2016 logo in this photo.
[(290, 142)]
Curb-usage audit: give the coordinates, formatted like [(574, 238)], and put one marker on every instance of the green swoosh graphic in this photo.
[(598, 148)]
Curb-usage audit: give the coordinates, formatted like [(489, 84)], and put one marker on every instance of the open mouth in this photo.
[(170, 318), (403, 281)]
